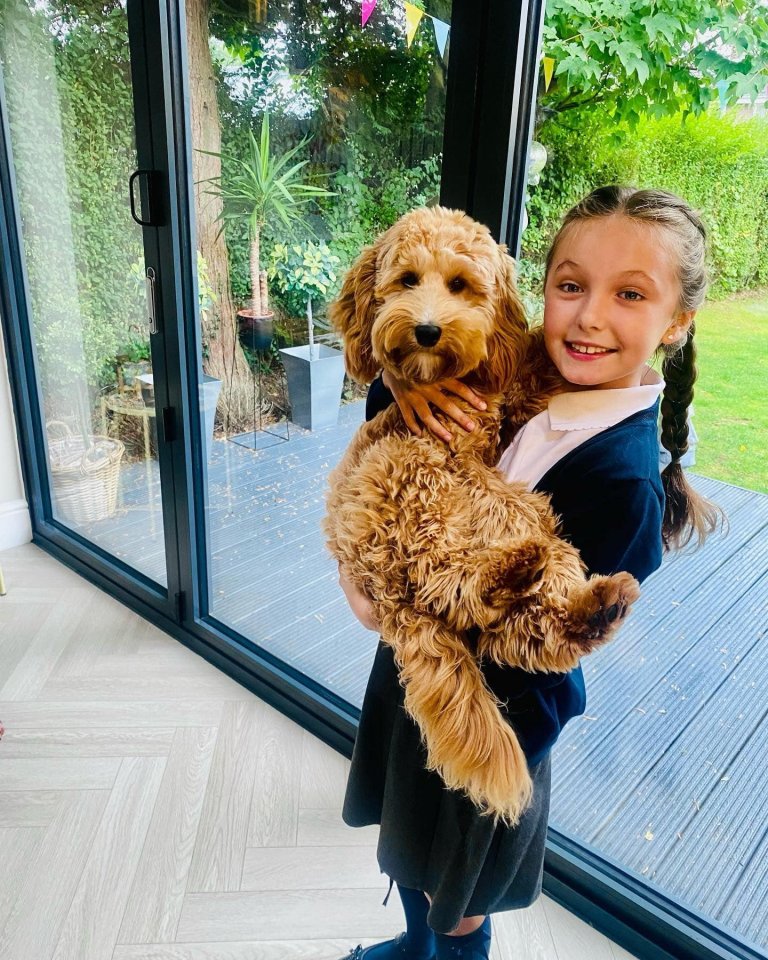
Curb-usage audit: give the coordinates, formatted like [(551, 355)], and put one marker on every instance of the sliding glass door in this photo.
[(313, 127), (89, 296)]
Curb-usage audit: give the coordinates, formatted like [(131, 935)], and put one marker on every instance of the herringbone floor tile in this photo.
[(153, 809)]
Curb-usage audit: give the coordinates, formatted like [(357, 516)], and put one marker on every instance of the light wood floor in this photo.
[(153, 809)]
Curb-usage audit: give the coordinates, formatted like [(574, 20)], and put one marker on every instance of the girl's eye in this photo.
[(632, 295), (457, 284), (569, 287), (409, 280)]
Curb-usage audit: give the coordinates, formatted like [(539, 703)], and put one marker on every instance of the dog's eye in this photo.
[(457, 284), (409, 280)]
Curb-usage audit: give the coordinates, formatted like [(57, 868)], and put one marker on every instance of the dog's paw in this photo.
[(605, 605)]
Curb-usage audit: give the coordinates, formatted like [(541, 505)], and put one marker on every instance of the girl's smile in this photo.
[(611, 297)]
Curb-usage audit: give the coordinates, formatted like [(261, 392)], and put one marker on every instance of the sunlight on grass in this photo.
[(731, 403)]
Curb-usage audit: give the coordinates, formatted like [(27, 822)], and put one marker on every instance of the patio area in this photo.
[(665, 773)]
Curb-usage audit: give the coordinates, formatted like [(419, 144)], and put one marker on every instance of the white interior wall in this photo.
[(15, 526)]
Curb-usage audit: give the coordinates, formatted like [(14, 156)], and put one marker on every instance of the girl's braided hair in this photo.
[(686, 513)]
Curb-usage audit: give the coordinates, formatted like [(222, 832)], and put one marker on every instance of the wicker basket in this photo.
[(84, 478)]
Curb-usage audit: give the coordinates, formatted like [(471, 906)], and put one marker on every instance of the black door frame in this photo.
[(489, 116)]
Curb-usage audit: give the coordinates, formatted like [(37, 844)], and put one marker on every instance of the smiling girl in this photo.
[(624, 278)]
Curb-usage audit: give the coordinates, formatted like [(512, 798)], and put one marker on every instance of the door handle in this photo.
[(148, 176), (149, 282)]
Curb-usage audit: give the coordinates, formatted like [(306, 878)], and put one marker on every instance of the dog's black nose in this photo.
[(427, 334)]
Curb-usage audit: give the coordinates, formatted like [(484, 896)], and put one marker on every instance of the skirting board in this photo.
[(15, 524)]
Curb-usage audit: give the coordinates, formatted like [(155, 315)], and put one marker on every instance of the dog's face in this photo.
[(434, 297)]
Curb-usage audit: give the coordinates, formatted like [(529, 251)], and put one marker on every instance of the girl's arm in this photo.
[(414, 401), (359, 604)]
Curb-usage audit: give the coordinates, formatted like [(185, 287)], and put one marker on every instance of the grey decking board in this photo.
[(719, 701), (641, 633), (680, 645)]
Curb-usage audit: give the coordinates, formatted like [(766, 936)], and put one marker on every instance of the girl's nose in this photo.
[(590, 315)]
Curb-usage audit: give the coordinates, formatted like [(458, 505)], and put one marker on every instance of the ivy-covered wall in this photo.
[(71, 120)]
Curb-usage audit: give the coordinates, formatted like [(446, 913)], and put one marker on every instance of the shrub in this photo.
[(719, 164)]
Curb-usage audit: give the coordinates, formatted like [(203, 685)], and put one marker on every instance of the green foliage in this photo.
[(376, 189), (303, 270), (67, 82), (261, 184), (657, 57), (719, 164)]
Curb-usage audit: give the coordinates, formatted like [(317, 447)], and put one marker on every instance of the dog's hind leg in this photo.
[(468, 742), (552, 633), (477, 589)]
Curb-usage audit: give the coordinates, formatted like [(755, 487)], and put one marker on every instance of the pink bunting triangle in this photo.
[(367, 10)]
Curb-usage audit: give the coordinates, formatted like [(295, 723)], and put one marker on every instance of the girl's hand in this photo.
[(414, 402), (359, 604)]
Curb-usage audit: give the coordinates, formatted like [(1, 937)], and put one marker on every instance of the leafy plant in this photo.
[(301, 271), (653, 57), (260, 186)]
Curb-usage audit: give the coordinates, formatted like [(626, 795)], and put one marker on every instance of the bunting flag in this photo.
[(722, 93), (441, 34), (412, 20), (549, 66), (413, 17), (367, 10)]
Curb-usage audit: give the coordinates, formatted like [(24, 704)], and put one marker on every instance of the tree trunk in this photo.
[(226, 360), (256, 304)]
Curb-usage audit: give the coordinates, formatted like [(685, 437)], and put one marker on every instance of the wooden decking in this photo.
[(665, 773)]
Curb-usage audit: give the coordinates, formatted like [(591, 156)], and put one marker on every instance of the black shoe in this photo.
[(398, 950)]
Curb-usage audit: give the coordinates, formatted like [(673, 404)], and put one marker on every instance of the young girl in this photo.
[(624, 278)]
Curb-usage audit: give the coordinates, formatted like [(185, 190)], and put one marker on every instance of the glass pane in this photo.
[(360, 109), (665, 774), (68, 93)]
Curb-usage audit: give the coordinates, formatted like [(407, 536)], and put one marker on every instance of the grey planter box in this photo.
[(210, 388), (314, 386)]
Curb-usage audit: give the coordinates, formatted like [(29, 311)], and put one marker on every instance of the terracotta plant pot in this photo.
[(255, 331)]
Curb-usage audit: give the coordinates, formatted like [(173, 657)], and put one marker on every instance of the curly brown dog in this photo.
[(431, 531)]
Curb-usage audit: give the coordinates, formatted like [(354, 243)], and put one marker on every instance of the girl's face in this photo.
[(611, 297)]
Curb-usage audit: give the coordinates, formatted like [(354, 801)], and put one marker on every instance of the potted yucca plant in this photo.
[(263, 186)]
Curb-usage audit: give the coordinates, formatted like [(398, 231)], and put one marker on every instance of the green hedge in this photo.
[(719, 164)]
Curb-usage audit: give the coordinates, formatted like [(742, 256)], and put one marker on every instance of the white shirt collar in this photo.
[(599, 409)]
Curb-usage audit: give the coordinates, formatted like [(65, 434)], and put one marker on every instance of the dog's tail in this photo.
[(468, 741)]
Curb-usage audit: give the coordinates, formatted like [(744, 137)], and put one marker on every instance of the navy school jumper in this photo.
[(609, 497)]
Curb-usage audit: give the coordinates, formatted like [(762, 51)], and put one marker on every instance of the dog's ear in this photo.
[(353, 312), (507, 345)]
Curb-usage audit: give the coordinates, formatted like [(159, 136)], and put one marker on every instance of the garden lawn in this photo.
[(731, 394)]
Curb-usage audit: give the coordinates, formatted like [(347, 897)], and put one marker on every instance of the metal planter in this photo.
[(314, 385)]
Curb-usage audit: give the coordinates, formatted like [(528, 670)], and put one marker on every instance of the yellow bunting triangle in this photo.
[(412, 20), (549, 66)]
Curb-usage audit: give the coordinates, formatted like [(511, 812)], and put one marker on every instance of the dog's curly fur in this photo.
[(431, 531)]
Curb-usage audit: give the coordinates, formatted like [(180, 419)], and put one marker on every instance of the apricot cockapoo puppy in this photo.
[(431, 531)]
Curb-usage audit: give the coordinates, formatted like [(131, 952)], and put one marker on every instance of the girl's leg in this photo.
[(419, 935), (471, 940), (468, 946), (417, 943)]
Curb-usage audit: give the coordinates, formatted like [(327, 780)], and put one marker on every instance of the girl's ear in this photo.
[(679, 327), (352, 313), (506, 346)]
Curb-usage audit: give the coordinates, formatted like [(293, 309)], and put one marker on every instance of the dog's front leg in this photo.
[(468, 741)]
